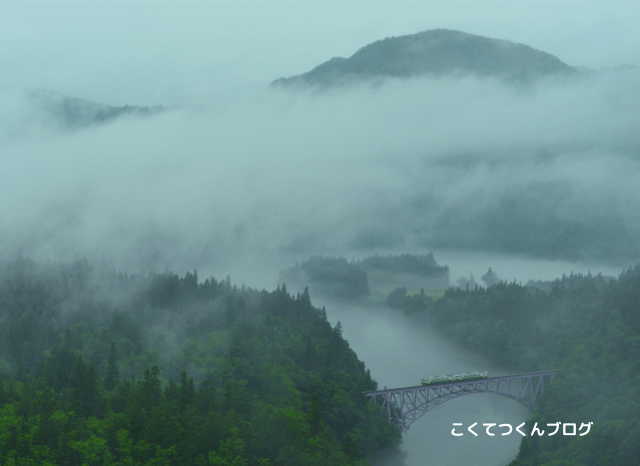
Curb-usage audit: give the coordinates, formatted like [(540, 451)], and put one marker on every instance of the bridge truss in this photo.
[(405, 405)]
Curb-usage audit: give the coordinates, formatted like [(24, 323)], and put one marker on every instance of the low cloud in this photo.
[(443, 163)]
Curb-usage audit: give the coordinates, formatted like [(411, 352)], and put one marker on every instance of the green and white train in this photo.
[(438, 379)]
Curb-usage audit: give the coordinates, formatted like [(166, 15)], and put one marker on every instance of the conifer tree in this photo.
[(185, 391), (315, 416), (113, 375), (351, 448)]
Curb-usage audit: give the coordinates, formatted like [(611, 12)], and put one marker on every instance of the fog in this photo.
[(239, 179), (410, 163)]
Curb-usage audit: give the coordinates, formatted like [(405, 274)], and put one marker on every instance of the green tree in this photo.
[(230, 452), (351, 448), (315, 416), (113, 375)]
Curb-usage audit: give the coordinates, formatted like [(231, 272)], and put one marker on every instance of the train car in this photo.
[(439, 379)]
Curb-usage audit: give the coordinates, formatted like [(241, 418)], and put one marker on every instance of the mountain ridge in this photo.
[(434, 52), (75, 112)]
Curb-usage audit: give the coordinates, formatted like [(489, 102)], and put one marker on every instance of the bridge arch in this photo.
[(405, 406)]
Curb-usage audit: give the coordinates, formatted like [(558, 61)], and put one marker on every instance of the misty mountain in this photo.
[(74, 112), (436, 52)]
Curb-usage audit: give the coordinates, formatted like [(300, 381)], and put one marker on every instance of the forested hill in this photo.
[(423, 265), (587, 328), (72, 112), (337, 278), (435, 52), (102, 367), (328, 276)]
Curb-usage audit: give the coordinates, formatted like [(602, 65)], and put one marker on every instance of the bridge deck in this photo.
[(405, 405), (458, 382)]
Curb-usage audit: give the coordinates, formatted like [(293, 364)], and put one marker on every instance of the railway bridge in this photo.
[(405, 406)]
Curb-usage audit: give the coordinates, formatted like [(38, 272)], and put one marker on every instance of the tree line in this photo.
[(586, 327), (101, 367)]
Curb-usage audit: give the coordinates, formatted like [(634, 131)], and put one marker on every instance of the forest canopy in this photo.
[(585, 327), (101, 367)]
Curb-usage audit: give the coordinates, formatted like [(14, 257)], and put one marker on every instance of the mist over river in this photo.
[(399, 351), (399, 355)]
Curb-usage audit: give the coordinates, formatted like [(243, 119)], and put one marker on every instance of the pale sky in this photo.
[(183, 53)]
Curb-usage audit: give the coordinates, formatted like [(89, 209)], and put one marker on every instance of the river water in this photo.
[(399, 355)]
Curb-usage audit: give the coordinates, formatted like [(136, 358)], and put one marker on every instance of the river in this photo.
[(399, 354)]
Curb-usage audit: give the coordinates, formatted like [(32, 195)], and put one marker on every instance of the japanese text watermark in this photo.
[(568, 429)]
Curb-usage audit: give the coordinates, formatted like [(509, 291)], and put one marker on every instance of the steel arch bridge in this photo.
[(405, 406)]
